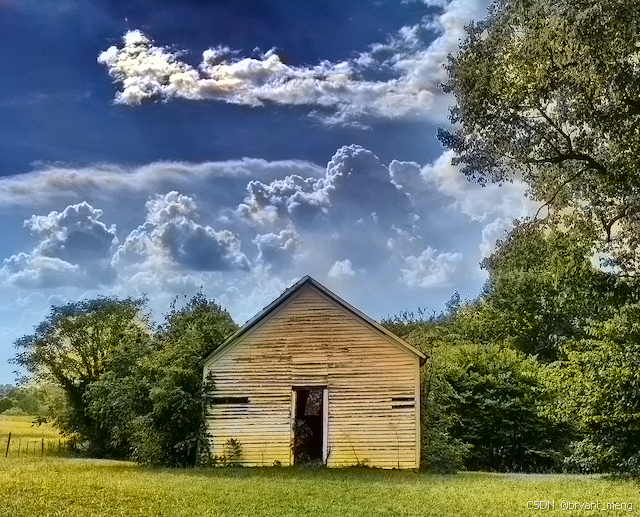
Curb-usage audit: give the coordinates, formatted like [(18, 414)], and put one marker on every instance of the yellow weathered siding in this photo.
[(312, 341)]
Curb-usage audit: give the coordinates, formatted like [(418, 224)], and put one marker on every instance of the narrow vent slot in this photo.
[(230, 400)]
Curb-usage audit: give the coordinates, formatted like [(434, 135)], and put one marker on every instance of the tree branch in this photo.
[(608, 225), (555, 126), (557, 191)]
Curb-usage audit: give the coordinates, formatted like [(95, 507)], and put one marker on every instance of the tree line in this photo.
[(541, 371), (20, 401)]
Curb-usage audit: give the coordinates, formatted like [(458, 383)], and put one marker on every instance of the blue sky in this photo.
[(235, 146)]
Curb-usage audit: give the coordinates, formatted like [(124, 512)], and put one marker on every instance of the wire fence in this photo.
[(16, 446)]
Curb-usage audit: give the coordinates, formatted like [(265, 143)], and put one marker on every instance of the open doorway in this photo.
[(308, 424)]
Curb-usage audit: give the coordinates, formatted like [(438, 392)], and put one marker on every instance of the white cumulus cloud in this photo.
[(245, 229), (170, 236), (413, 58), (356, 205), (431, 269), (277, 250), (355, 186), (74, 248), (341, 270)]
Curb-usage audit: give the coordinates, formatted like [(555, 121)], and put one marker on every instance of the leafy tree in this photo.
[(188, 335), (601, 387), (453, 304), (548, 91), (485, 406), (120, 394), (406, 322), (31, 400), (72, 348), (542, 290), (440, 451), (5, 403), (6, 389), (501, 409), (154, 400)]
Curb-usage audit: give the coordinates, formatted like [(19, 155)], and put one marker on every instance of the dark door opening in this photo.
[(307, 425)]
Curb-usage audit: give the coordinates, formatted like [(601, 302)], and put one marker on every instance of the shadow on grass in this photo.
[(302, 472)]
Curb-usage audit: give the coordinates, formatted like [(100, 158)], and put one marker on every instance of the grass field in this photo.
[(27, 438), (22, 426), (63, 487)]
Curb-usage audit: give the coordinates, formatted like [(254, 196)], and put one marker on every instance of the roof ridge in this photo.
[(286, 294)]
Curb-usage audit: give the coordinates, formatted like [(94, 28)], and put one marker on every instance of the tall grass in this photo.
[(78, 488)]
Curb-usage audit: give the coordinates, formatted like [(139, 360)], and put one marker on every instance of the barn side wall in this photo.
[(311, 341)]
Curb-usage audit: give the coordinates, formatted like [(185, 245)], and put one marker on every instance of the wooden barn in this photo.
[(313, 378)]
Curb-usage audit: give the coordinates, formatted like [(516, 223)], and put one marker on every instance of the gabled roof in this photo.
[(286, 295)]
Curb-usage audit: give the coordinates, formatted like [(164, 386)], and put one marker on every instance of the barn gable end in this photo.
[(309, 343)]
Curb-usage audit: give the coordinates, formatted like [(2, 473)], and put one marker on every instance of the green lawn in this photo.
[(51, 486)]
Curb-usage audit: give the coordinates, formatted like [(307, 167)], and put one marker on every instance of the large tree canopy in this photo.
[(600, 383), (542, 290), (151, 400), (168, 433), (549, 91), (127, 389), (73, 347)]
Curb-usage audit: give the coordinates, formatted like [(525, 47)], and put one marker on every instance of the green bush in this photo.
[(5, 404), (503, 408), (601, 391)]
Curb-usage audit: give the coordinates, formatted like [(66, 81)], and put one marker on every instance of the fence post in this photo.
[(42, 448), (8, 442)]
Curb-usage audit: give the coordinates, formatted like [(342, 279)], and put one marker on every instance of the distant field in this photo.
[(23, 426), (33, 486), (26, 437)]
